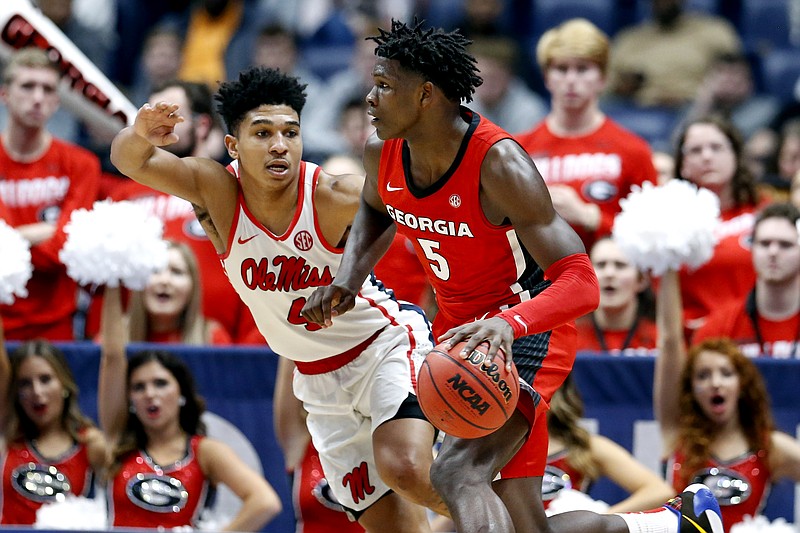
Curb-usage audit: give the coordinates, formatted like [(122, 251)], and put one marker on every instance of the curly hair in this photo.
[(438, 56), (698, 432), (134, 436), (255, 87), (743, 182), (18, 425), (566, 410)]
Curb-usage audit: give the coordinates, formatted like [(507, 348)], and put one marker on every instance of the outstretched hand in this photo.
[(328, 302), (156, 123), (496, 332)]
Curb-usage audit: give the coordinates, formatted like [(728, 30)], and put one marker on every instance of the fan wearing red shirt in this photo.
[(42, 180), (766, 322), (709, 154), (624, 322), (588, 161)]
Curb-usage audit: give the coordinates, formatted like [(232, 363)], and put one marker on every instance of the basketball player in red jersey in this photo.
[(507, 270)]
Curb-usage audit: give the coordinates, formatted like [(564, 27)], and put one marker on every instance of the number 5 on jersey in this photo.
[(438, 263)]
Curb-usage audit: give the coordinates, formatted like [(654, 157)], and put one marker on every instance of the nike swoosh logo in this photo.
[(393, 189), (245, 241)]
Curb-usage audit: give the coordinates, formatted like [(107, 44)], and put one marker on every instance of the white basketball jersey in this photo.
[(275, 274)]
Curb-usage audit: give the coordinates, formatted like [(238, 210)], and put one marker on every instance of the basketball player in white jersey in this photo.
[(279, 225)]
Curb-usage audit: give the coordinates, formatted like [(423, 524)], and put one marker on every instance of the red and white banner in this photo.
[(84, 90)]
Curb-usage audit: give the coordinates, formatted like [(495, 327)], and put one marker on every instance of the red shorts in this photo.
[(531, 459)]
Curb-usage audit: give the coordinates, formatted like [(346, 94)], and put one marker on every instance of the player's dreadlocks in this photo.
[(439, 57), (255, 87)]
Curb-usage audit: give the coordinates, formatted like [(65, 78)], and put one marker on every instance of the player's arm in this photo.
[(136, 152), (512, 190), (337, 199), (370, 236)]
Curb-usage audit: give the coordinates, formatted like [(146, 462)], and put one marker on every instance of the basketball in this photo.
[(467, 398)]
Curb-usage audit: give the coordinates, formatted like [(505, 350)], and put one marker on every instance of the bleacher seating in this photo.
[(548, 13), (644, 7), (654, 124), (780, 70), (764, 24)]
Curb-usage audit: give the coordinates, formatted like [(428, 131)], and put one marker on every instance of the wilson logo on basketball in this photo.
[(303, 241), (492, 371)]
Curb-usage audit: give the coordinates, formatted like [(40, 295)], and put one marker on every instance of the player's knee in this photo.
[(449, 475), (403, 473)]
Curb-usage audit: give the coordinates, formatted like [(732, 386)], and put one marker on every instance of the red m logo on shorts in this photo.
[(358, 480)]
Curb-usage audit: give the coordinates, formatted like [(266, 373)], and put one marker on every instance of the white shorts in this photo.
[(347, 404)]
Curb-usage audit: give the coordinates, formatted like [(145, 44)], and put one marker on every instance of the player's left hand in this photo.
[(496, 332), (328, 302)]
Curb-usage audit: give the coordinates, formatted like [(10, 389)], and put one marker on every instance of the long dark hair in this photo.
[(134, 436), (743, 183)]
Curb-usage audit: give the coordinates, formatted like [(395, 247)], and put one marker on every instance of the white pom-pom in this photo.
[(15, 267), (665, 227), (74, 513), (761, 524), (574, 500), (114, 243)]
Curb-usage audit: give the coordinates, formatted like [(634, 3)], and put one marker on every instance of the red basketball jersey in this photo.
[(474, 266), (30, 480)]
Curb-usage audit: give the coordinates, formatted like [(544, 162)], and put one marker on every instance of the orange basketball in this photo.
[(467, 398)]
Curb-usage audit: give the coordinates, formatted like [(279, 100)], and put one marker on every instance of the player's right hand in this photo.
[(328, 302), (156, 123)]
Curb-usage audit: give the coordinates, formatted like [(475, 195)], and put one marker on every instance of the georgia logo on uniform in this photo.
[(554, 481), (303, 241), (728, 486), (40, 483), (157, 493), (455, 200), (600, 190)]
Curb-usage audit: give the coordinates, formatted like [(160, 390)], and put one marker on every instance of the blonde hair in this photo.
[(575, 38), (193, 324), (30, 57), (563, 423)]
